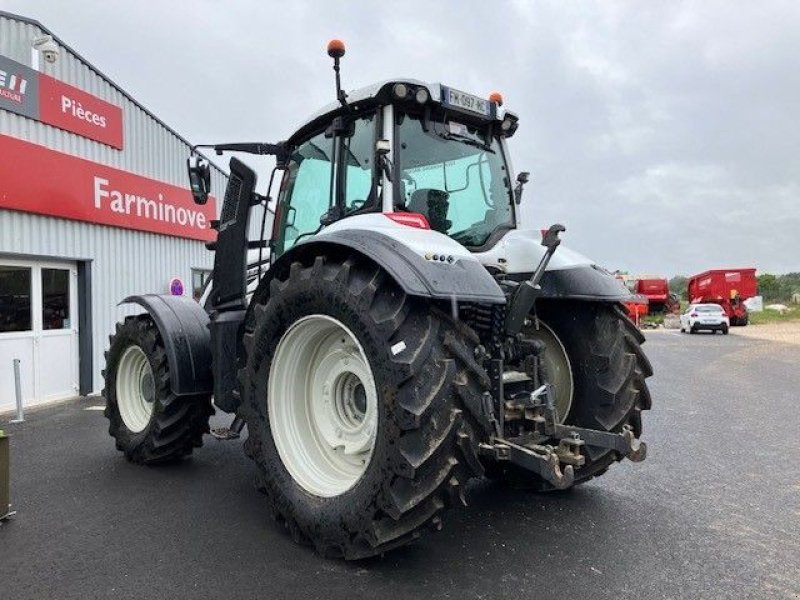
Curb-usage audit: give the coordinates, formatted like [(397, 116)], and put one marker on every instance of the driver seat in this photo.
[(434, 205)]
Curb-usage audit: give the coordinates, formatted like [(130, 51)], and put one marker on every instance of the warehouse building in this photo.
[(94, 207)]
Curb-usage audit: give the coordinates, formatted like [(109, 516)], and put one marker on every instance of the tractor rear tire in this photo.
[(424, 446), (608, 372), (149, 423)]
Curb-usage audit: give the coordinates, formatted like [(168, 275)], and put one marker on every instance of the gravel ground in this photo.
[(786, 333), (714, 511)]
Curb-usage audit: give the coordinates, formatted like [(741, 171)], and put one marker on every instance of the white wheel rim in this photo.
[(322, 405), (558, 366), (135, 389)]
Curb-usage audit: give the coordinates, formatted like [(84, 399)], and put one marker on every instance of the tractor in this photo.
[(397, 334)]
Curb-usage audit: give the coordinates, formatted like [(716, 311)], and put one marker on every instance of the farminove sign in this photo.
[(83, 190), (38, 96)]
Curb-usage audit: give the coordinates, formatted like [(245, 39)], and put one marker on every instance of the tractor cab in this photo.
[(423, 155)]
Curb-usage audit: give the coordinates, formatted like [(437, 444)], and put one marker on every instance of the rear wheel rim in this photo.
[(557, 367), (322, 405), (135, 389)]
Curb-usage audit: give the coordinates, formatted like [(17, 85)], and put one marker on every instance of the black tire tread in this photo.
[(434, 451), (178, 423)]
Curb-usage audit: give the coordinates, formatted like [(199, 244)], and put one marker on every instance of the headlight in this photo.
[(400, 90)]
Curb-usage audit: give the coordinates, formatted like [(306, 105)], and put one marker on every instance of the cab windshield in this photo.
[(454, 176)]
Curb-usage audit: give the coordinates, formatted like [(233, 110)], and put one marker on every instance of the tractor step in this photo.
[(533, 452), (223, 434)]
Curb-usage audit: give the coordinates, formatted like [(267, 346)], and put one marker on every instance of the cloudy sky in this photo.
[(664, 135)]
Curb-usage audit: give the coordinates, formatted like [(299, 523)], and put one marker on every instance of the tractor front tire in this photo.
[(149, 423), (338, 345)]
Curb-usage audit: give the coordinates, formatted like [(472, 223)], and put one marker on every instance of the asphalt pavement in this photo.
[(714, 511)]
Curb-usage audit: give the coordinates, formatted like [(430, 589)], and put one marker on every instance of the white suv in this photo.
[(704, 316)]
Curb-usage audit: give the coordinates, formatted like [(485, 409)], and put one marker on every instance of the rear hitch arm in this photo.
[(527, 450), (540, 459), (545, 415), (625, 442)]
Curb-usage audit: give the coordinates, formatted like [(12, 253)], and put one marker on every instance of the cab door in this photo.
[(328, 177)]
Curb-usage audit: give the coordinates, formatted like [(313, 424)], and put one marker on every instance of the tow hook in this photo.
[(531, 451)]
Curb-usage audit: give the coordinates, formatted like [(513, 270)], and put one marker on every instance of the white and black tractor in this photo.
[(400, 335)]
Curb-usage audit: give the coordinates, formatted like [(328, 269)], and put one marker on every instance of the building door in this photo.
[(38, 327), (16, 331)]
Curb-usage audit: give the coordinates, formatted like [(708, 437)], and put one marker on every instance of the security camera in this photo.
[(47, 47)]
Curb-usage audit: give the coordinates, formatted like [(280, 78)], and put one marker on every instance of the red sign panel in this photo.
[(39, 180), (72, 109)]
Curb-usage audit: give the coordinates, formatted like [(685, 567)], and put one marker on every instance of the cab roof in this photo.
[(366, 98)]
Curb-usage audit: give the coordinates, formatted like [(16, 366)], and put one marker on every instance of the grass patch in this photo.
[(652, 320), (773, 316)]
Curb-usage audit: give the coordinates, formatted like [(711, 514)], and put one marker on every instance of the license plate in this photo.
[(464, 101)]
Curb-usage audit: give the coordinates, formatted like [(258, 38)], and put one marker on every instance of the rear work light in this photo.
[(409, 219)]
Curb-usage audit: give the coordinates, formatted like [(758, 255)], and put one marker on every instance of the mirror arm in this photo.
[(278, 150)]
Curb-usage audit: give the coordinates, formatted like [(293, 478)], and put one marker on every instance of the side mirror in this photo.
[(522, 179), (199, 178)]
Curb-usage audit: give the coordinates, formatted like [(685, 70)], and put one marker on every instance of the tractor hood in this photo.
[(520, 250)]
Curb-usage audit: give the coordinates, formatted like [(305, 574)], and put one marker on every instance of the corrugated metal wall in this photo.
[(151, 149), (123, 262)]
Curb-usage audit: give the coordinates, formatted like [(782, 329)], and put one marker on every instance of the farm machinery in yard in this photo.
[(404, 336), (659, 298), (727, 287)]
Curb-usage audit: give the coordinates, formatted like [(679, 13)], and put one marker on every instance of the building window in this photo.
[(55, 299), (15, 299), (200, 279)]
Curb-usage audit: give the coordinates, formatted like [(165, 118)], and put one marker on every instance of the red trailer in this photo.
[(727, 287), (656, 290)]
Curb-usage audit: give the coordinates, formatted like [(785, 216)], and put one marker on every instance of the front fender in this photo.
[(183, 325)]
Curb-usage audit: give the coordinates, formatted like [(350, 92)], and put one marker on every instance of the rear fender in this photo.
[(583, 283), (183, 325), (435, 274)]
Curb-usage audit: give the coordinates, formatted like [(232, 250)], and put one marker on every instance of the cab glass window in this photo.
[(359, 152), (456, 176), (308, 194)]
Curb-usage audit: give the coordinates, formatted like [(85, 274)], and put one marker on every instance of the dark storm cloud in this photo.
[(664, 135)]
